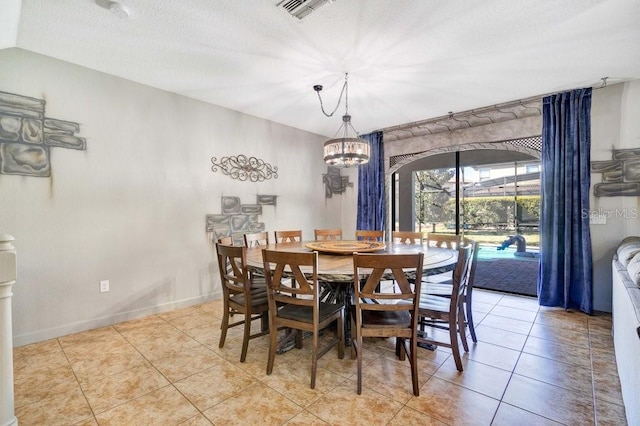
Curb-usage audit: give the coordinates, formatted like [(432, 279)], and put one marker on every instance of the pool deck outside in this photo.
[(506, 272)]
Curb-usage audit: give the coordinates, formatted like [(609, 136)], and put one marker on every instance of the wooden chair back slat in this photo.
[(384, 267), (450, 241), (232, 262), (369, 235), (256, 239), (327, 234), (408, 237), (288, 236)]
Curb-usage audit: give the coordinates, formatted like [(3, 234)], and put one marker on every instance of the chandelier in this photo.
[(346, 149)]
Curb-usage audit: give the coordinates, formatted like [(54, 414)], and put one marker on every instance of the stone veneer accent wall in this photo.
[(238, 219), (26, 135), (494, 127), (620, 176)]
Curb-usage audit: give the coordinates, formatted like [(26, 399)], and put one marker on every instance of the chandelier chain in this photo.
[(344, 90), (347, 148)]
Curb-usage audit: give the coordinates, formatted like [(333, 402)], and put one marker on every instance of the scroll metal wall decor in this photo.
[(244, 168), (620, 176), (26, 135)]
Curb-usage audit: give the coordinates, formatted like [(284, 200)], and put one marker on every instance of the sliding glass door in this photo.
[(500, 202), (488, 193), (435, 190), (490, 196)]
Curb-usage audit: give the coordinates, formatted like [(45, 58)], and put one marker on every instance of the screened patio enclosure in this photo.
[(491, 194)]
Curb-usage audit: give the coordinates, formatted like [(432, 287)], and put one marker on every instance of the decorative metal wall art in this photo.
[(620, 176), (26, 136), (334, 183), (244, 168)]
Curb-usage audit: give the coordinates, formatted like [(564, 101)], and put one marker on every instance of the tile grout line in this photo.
[(93, 413), (593, 379), (591, 328), (170, 383)]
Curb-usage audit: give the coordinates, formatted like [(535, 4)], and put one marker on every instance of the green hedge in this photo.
[(489, 210)]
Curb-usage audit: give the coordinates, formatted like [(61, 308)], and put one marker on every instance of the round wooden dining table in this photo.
[(335, 270), (335, 267)]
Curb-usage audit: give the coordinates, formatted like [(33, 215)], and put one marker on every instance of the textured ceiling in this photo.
[(408, 60)]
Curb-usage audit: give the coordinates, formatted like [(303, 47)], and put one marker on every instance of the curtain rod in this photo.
[(603, 84)]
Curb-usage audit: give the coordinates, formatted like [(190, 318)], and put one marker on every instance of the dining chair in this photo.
[(327, 234), (407, 237), (469, 290), (447, 313), (445, 288), (297, 305), (380, 313), (442, 240), (240, 296), (288, 236), (369, 235), (256, 239), (450, 241)]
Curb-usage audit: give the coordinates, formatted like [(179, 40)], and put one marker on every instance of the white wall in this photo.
[(615, 124), (131, 208)]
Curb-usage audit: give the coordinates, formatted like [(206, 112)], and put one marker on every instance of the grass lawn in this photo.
[(488, 236)]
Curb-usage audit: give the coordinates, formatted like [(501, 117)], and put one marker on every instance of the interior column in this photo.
[(8, 269)]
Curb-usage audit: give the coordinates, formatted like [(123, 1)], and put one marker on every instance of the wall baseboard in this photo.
[(52, 333)]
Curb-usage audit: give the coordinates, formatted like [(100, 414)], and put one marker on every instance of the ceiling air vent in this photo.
[(301, 8)]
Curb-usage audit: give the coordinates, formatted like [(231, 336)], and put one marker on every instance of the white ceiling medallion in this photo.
[(114, 7)]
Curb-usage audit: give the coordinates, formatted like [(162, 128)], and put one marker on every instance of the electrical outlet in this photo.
[(104, 286)]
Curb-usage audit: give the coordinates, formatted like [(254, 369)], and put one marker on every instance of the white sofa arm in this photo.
[(626, 338)]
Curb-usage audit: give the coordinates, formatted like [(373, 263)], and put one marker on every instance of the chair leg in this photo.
[(453, 336), (462, 329), (314, 359), (472, 328), (341, 336), (354, 354), (245, 336), (349, 320), (224, 326), (359, 362), (413, 359), (298, 339), (400, 348), (273, 343)]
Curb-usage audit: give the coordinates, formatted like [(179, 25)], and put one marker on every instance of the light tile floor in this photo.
[(531, 366)]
